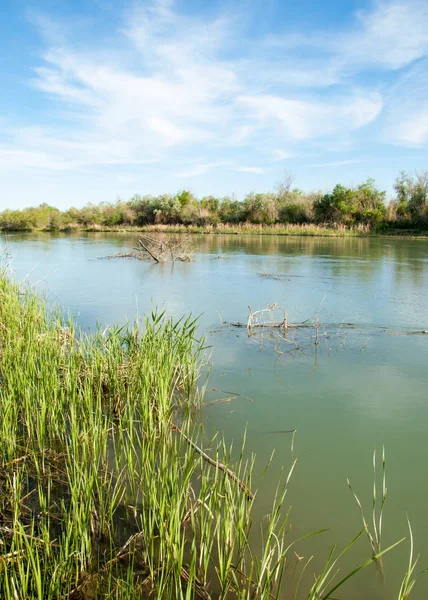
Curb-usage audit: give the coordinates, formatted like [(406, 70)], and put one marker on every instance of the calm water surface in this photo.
[(360, 388)]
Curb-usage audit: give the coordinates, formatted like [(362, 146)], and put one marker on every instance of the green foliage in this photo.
[(363, 204), (412, 197), (360, 206), (41, 217), (295, 207), (184, 198), (261, 208), (231, 211), (334, 207)]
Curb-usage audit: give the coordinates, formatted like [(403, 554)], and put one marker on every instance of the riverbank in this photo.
[(306, 230)]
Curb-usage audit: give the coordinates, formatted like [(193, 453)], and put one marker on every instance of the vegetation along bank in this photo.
[(343, 211)]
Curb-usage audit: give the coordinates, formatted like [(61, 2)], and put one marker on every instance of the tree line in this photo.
[(364, 204)]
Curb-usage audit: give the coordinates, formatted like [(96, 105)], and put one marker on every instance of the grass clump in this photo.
[(101, 494)]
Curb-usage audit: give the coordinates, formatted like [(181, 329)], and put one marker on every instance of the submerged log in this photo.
[(422, 332)]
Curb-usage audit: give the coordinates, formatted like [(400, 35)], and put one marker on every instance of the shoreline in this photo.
[(244, 229)]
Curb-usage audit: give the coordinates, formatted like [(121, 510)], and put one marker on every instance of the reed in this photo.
[(101, 494), (303, 229)]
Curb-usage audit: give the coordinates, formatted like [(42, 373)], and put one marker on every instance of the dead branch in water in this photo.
[(215, 463), (138, 255), (422, 332), (160, 250), (164, 250), (270, 326), (263, 318)]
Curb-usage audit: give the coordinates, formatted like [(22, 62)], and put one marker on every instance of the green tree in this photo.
[(418, 201), (261, 208)]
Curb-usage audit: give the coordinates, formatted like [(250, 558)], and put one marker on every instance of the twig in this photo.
[(198, 588), (283, 431), (219, 401), (215, 463), (422, 332), (148, 250)]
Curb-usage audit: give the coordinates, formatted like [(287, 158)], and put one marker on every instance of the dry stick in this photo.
[(275, 324), (249, 579), (215, 463), (148, 251), (233, 394), (12, 532), (423, 332), (198, 588), (220, 400), (152, 240), (11, 556), (283, 431)]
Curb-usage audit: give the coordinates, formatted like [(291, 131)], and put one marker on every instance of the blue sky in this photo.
[(102, 99)]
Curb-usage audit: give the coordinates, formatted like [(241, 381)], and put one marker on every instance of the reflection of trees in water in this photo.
[(410, 260), (364, 257), (344, 256)]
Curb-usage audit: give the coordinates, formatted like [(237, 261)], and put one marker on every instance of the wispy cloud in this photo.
[(178, 86), (406, 118), (255, 170), (392, 35), (307, 119), (181, 90), (280, 155), (337, 163), (199, 169)]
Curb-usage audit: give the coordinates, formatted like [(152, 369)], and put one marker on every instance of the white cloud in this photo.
[(392, 35), (279, 155), (337, 163), (200, 169), (414, 130), (256, 170), (12, 158), (406, 117), (303, 119), (182, 91), (38, 148)]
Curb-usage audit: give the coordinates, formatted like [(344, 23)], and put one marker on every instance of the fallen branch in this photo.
[(138, 255), (149, 252), (12, 532), (198, 588), (423, 332), (258, 318), (161, 250), (219, 401), (283, 431), (215, 463), (273, 324)]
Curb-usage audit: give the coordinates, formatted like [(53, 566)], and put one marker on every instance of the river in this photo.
[(353, 384)]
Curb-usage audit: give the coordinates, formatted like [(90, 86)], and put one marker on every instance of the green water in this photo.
[(358, 389)]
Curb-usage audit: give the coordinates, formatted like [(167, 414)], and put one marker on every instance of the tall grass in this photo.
[(100, 495), (304, 229)]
